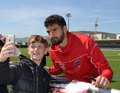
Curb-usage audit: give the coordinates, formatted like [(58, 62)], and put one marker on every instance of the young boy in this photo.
[(27, 75)]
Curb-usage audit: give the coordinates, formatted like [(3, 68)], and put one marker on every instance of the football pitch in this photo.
[(113, 57)]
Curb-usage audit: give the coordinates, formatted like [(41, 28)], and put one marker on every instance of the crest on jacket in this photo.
[(77, 62)]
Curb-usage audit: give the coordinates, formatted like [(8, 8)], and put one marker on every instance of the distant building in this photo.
[(98, 36), (117, 36)]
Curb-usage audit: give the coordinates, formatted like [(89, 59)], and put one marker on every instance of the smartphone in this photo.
[(10, 38)]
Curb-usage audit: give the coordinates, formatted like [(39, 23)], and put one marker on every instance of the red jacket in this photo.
[(80, 59)]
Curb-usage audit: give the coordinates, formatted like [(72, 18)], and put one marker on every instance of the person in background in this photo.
[(27, 75), (77, 55), (3, 88), (2, 38), (1, 44)]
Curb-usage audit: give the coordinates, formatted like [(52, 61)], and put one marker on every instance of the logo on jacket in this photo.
[(77, 62)]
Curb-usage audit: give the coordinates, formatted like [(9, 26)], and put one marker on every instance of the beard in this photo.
[(57, 40)]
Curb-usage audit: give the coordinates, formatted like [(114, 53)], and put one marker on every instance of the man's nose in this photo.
[(51, 34)]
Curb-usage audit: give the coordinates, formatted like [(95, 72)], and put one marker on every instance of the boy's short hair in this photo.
[(37, 38)]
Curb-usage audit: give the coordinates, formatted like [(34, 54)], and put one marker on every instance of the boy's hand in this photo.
[(8, 50)]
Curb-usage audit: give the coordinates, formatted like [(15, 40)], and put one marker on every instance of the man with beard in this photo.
[(77, 55)]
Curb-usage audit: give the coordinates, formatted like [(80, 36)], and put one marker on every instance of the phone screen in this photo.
[(10, 38)]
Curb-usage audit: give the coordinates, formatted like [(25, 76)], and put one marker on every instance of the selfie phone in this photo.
[(10, 38)]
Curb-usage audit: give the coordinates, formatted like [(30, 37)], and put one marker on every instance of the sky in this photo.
[(26, 17)]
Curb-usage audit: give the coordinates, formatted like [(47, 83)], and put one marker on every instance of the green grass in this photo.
[(112, 56)]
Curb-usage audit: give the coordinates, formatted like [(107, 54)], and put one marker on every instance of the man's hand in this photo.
[(101, 82), (59, 91), (8, 50)]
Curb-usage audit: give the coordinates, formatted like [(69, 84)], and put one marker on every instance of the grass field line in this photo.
[(116, 76), (110, 49), (112, 55), (114, 60)]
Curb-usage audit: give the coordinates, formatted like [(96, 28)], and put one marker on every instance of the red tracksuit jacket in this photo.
[(80, 59)]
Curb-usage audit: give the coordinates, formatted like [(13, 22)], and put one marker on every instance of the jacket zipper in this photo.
[(36, 79)]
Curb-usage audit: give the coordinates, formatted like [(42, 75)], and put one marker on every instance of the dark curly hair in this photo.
[(55, 19)]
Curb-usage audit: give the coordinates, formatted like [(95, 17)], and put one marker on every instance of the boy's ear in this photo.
[(65, 29), (28, 50)]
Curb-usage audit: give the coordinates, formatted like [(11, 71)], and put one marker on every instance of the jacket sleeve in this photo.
[(98, 59), (8, 73), (55, 69), (4, 66)]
